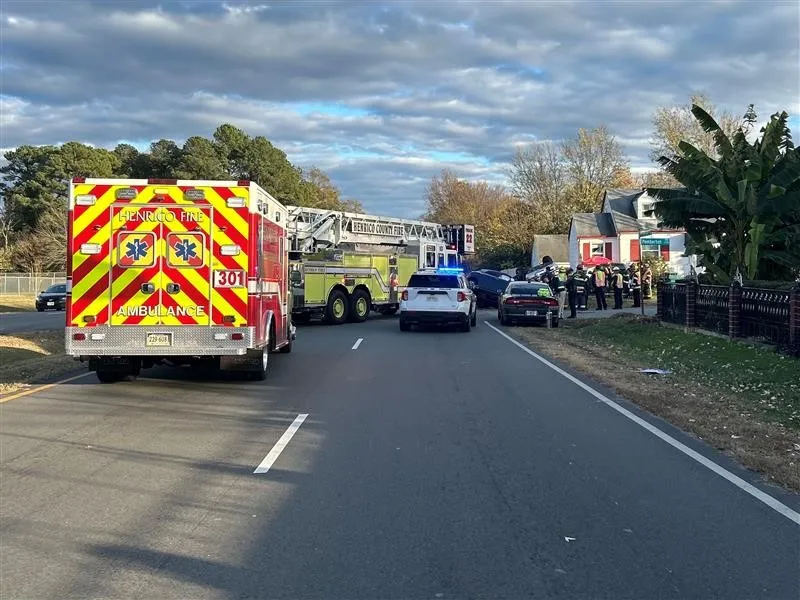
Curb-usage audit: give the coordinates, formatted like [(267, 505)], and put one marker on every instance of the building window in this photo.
[(598, 249)]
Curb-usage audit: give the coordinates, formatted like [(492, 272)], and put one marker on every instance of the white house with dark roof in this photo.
[(614, 233)]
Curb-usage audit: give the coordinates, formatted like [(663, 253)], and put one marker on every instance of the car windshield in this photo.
[(433, 281), (530, 289), (56, 289)]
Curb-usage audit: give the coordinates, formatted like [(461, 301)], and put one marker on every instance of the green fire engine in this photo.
[(344, 265)]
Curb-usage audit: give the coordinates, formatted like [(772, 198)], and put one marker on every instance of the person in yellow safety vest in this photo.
[(562, 292), (599, 286), (618, 283)]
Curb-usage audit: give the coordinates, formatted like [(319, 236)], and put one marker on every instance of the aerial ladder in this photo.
[(345, 264)]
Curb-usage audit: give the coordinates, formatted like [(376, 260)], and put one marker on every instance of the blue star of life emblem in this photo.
[(137, 249), (186, 249)]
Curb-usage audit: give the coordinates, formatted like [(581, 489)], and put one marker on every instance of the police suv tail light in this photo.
[(404, 295), (462, 297)]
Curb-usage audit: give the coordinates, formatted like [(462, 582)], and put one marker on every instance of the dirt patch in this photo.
[(17, 303), (30, 357), (742, 400)]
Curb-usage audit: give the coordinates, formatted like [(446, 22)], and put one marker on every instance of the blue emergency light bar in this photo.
[(451, 270)]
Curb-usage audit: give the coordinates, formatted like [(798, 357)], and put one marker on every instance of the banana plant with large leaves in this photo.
[(741, 211)]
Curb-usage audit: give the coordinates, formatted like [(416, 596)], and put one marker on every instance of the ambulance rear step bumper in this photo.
[(149, 340)]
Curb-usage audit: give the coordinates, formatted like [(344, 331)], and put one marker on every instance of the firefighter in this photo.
[(572, 293), (647, 282), (618, 285), (599, 285), (562, 292), (636, 288), (580, 282)]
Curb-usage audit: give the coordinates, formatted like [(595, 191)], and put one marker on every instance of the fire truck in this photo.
[(166, 271), (346, 264)]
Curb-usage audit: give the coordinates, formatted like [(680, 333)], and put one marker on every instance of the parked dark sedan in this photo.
[(53, 298), (487, 288), (528, 302)]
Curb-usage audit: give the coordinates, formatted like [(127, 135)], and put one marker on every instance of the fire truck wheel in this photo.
[(288, 346), (336, 311), (359, 306)]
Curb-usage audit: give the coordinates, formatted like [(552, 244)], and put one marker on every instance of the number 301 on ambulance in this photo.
[(230, 279)]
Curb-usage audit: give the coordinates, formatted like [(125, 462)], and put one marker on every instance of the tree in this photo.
[(487, 207), (675, 124), (29, 255), (35, 180), (538, 176), (200, 159), (556, 181), (593, 160), (51, 235), (8, 225), (742, 208)]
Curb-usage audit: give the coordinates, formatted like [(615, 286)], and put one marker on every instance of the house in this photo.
[(554, 246), (615, 233)]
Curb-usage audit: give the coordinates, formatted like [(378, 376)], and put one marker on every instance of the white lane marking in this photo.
[(358, 343), (774, 504), (279, 446)]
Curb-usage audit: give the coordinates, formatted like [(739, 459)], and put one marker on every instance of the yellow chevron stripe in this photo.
[(202, 285)]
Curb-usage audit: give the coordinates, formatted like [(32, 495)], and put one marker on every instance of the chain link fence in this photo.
[(25, 284)]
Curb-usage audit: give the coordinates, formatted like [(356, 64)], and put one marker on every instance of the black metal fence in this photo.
[(771, 316), (672, 299), (765, 315), (711, 309)]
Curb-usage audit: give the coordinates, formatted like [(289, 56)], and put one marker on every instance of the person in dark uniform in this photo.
[(580, 284), (618, 285), (572, 293), (636, 288)]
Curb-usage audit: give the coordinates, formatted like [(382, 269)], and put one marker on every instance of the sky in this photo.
[(384, 95)]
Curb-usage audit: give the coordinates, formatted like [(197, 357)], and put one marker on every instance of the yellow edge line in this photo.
[(42, 388)]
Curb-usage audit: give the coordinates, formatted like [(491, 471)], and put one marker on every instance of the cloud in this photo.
[(383, 96)]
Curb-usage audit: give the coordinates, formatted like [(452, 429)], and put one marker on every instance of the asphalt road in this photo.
[(14, 322), (431, 465)]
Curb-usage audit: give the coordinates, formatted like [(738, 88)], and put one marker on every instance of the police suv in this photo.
[(442, 297)]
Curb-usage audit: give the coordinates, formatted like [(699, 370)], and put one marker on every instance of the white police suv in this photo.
[(441, 297)]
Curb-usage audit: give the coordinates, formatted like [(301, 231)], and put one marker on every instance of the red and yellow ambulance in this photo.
[(165, 271)]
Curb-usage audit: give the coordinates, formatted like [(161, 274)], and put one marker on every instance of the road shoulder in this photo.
[(723, 416)]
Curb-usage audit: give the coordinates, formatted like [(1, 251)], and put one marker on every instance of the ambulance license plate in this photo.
[(531, 313), (159, 339)]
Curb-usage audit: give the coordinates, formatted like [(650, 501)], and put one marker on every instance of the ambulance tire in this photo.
[(337, 309), (359, 306), (261, 373), (108, 376)]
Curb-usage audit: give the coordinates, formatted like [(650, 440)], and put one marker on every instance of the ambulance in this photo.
[(176, 272), (346, 264)]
